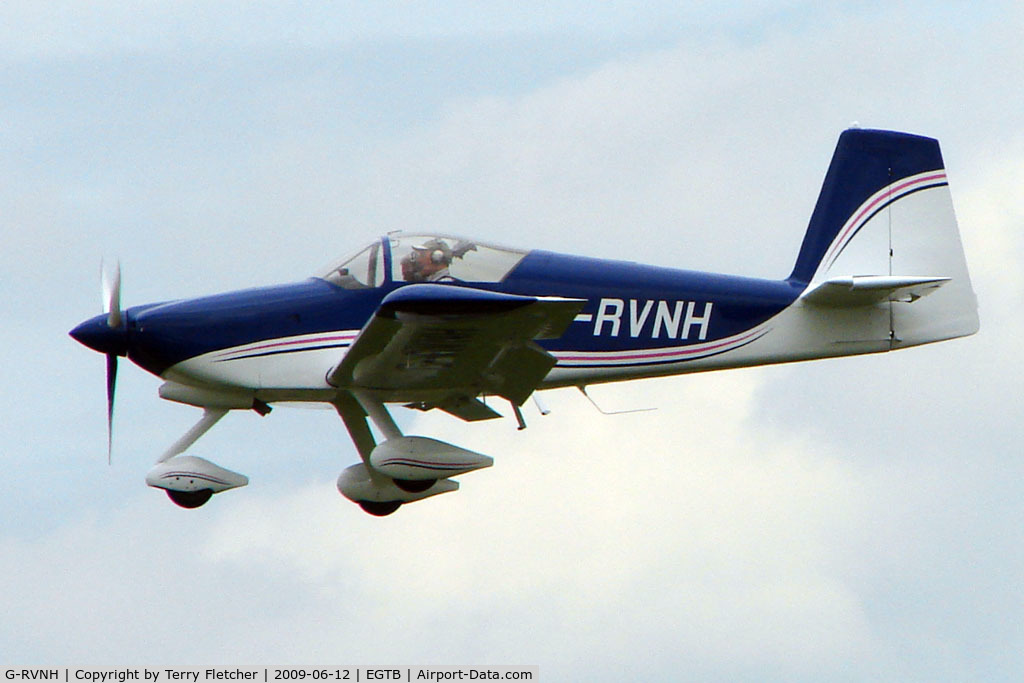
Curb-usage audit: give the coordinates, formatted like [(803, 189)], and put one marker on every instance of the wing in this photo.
[(440, 346)]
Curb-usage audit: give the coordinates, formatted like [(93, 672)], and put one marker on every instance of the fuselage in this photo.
[(284, 340)]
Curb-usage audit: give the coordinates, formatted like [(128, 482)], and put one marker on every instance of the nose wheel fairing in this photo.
[(191, 481)]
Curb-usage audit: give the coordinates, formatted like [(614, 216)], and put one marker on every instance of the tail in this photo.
[(883, 236)]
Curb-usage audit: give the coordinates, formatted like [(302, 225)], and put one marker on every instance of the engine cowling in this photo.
[(188, 473), (419, 458)]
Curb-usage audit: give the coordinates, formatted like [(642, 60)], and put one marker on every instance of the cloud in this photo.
[(992, 218), (559, 536), (680, 155), (68, 29)]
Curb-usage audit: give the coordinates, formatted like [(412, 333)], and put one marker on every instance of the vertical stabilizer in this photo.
[(885, 211)]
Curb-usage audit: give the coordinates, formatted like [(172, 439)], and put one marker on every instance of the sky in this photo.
[(847, 519)]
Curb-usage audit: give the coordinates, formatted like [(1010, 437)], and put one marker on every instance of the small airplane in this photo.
[(443, 322)]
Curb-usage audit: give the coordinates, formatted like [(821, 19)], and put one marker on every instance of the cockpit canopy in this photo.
[(423, 258)]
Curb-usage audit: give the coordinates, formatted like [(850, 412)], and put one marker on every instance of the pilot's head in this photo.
[(425, 260)]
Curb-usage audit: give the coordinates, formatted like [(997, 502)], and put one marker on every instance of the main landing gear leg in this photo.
[(362, 483), (380, 416), (354, 417)]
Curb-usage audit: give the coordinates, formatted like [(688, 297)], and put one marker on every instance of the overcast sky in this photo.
[(842, 520)]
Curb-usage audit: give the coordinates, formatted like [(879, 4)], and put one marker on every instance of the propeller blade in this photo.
[(111, 384), (112, 307), (112, 294)]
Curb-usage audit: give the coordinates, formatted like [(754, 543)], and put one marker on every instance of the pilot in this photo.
[(428, 263)]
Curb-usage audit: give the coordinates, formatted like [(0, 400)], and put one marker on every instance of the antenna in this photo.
[(583, 390)]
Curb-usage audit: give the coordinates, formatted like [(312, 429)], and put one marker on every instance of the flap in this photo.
[(435, 343), (466, 408), (865, 290)]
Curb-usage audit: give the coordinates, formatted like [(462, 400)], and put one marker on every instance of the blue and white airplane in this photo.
[(437, 321)]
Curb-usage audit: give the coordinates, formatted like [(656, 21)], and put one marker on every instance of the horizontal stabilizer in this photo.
[(865, 290)]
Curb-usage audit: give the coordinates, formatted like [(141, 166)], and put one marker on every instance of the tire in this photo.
[(378, 509), (190, 499)]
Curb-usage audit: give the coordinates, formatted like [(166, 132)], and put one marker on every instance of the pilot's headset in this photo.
[(439, 251)]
